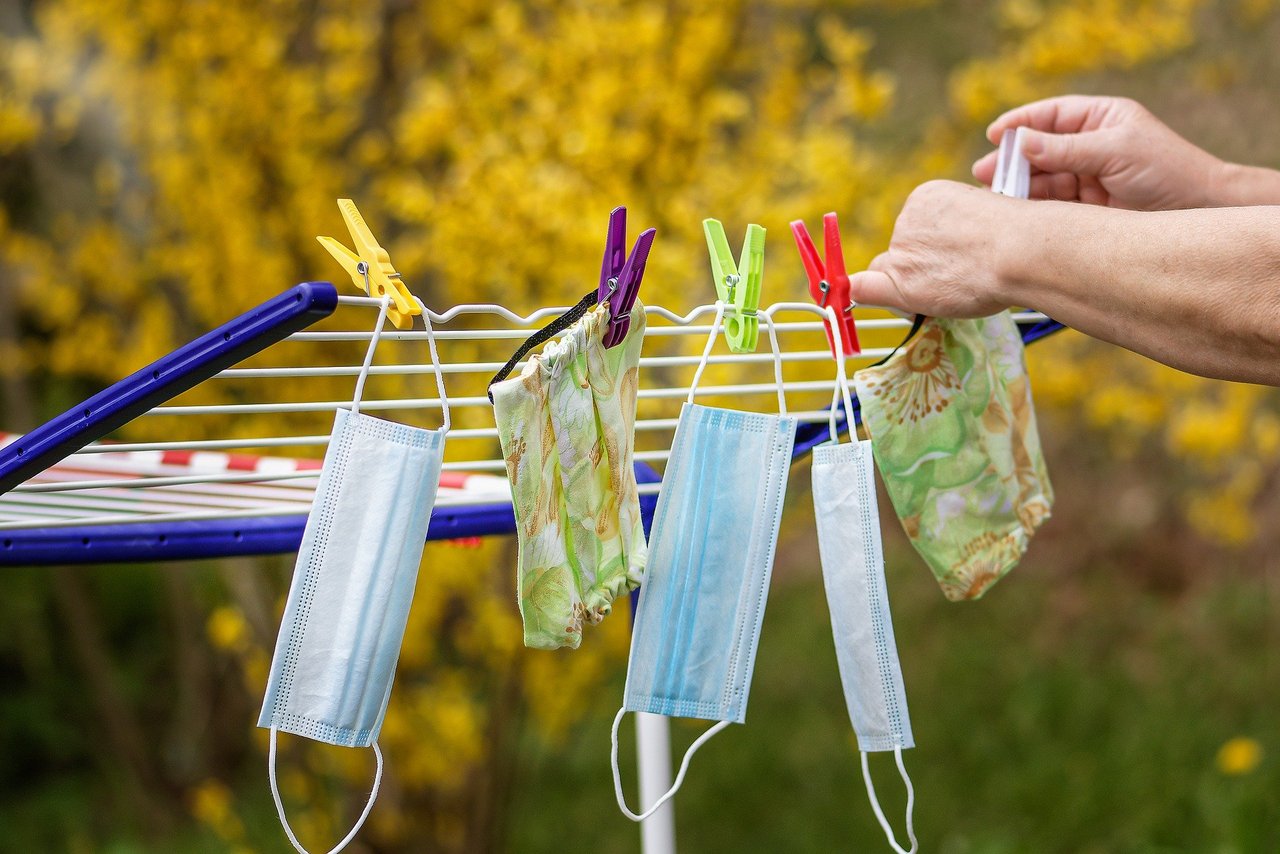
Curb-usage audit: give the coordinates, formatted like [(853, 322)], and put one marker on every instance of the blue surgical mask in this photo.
[(711, 552), (848, 520), (348, 605)]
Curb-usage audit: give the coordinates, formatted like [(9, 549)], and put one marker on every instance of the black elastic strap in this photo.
[(915, 327), (555, 327), (857, 404)]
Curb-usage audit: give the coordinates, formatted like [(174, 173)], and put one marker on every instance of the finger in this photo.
[(984, 169), (1092, 192), (875, 288), (1085, 153), (1063, 186), (880, 263), (1041, 186), (1064, 114)]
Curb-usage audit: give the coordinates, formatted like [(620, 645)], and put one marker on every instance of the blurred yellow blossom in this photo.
[(1067, 38), (1254, 11), (1239, 756), (1221, 516), (1201, 429), (1020, 14), (213, 804)]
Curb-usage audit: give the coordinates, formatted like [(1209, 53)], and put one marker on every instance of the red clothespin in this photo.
[(829, 283), (619, 278)]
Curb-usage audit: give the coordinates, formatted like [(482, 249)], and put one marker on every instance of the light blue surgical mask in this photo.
[(848, 519), (711, 552), (348, 605)]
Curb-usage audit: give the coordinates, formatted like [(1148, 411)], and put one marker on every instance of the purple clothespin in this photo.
[(619, 279)]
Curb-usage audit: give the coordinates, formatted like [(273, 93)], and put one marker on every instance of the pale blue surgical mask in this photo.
[(848, 520), (348, 605), (711, 552)]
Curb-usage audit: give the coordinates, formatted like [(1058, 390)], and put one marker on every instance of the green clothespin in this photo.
[(739, 292)]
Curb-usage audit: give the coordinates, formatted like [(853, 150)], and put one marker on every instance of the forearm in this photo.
[(1238, 185), (1197, 289)]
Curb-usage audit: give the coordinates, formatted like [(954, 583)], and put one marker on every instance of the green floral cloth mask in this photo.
[(567, 428), (954, 434)]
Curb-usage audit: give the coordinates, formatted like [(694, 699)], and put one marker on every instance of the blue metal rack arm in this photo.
[(645, 473), (167, 377), (138, 542)]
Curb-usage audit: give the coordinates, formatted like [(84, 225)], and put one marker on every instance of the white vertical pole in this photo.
[(653, 755)]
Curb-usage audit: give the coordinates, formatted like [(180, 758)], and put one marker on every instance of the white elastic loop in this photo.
[(368, 355), (842, 379), (675, 787), (875, 804), (706, 351), (284, 822), (435, 362), (777, 363)]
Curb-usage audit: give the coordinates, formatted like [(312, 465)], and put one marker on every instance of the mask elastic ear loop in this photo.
[(675, 787), (706, 351), (284, 822), (875, 803), (368, 355), (435, 362), (842, 380), (777, 363)]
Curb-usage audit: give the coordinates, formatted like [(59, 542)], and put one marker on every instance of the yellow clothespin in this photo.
[(370, 267), (737, 287)]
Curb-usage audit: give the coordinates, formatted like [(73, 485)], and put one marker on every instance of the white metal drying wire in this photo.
[(196, 478)]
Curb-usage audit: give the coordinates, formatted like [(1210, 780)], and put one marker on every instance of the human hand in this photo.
[(1107, 151), (944, 259)]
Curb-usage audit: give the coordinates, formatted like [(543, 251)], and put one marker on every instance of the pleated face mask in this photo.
[(567, 428), (348, 605), (954, 432), (711, 552), (848, 520)]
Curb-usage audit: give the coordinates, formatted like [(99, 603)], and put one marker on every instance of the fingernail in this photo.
[(1032, 144)]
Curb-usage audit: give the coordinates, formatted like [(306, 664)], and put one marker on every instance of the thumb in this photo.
[(875, 288), (1077, 153)]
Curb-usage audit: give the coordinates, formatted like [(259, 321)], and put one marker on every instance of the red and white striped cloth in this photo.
[(134, 502)]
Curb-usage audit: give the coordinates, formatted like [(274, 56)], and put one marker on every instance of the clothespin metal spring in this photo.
[(738, 283)]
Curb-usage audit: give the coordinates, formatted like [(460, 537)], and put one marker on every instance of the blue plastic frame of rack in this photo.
[(137, 542), (161, 541), (164, 379)]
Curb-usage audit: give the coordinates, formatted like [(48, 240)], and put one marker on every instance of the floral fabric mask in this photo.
[(954, 435), (567, 428)]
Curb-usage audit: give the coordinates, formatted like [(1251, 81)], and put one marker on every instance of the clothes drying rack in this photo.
[(84, 488)]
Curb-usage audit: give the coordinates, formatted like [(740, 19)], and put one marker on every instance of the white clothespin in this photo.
[(1013, 172)]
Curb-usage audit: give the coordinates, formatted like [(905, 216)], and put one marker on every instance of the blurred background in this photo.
[(165, 165)]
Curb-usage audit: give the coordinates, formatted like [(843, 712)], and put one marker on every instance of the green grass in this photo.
[(1078, 707), (1051, 716)]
